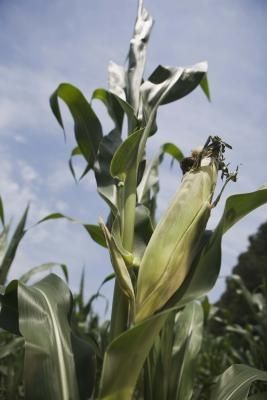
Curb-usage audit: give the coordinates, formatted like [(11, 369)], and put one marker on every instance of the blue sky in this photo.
[(45, 43)]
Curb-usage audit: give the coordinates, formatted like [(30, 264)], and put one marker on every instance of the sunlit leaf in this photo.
[(125, 357), (137, 54)]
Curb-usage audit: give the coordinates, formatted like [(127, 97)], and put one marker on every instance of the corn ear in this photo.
[(120, 268), (175, 241)]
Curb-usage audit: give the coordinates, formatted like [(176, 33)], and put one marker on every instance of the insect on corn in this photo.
[(175, 241)]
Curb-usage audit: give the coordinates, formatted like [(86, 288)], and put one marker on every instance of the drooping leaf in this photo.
[(76, 152), (235, 382), (173, 151), (137, 55), (116, 108), (87, 127), (179, 81), (168, 84), (125, 357), (204, 84), (112, 104), (206, 267), (41, 268), (12, 247), (105, 182), (93, 230)]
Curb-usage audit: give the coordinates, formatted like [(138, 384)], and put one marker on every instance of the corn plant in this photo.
[(161, 269)]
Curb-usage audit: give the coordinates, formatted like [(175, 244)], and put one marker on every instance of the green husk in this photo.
[(176, 239)]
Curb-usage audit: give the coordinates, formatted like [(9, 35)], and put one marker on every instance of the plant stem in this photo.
[(120, 305)]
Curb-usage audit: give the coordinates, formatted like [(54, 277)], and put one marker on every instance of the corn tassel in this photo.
[(175, 241)]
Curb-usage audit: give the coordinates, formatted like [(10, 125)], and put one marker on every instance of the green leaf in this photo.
[(47, 304), (167, 84), (11, 348), (173, 151), (77, 152), (41, 268), (12, 248), (2, 214), (187, 344), (125, 157), (258, 396), (206, 267), (125, 357), (3, 242), (137, 55), (87, 127), (116, 107), (120, 268), (113, 105), (148, 188), (143, 230), (204, 84), (96, 234), (105, 182), (40, 313), (172, 83), (93, 230), (235, 382)]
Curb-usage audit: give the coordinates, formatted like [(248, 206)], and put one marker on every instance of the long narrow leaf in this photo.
[(93, 230), (189, 328), (87, 127), (12, 248), (137, 54), (41, 268), (125, 357), (235, 382), (54, 356), (2, 214)]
